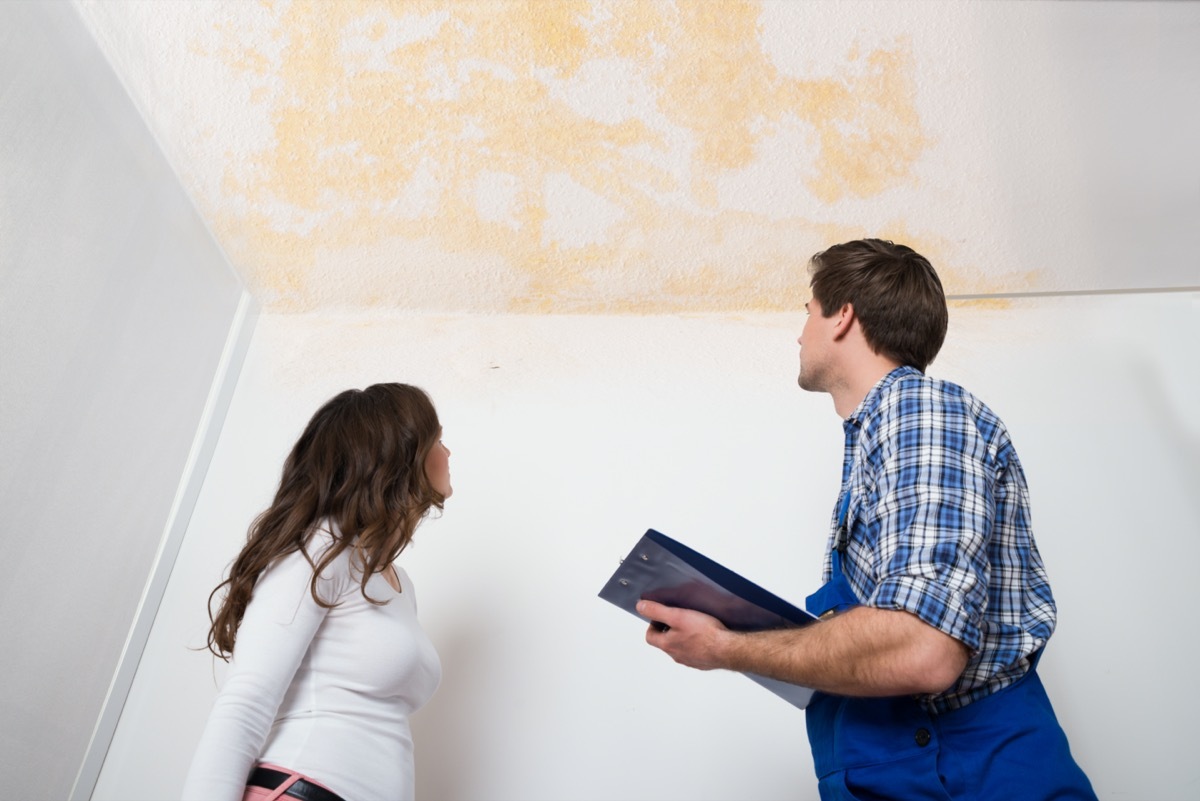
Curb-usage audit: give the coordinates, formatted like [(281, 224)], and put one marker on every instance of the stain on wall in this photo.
[(540, 157)]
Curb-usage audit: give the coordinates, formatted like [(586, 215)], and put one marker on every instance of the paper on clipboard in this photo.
[(664, 570)]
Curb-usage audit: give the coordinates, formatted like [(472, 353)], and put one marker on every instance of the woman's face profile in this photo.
[(437, 467)]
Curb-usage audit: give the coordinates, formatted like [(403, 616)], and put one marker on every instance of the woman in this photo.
[(328, 657)]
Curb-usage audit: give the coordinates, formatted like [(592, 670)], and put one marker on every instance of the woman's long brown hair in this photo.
[(360, 464)]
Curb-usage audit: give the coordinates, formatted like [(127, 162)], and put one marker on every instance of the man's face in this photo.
[(813, 341)]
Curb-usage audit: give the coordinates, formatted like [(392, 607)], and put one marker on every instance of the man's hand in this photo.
[(689, 637)]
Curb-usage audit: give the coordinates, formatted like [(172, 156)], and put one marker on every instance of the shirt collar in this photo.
[(870, 403)]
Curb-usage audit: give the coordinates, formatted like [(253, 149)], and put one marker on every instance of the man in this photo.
[(936, 606)]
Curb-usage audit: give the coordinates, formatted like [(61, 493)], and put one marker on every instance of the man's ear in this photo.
[(845, 319)]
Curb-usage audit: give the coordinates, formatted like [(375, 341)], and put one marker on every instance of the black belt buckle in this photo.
[(302, 789)]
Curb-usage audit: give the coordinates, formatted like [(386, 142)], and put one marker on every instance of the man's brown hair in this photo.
[(895, 292)]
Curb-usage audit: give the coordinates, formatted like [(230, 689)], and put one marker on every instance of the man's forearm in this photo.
[(862, 652)]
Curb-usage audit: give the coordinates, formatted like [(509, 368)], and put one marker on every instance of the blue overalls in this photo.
[(1007, 746)]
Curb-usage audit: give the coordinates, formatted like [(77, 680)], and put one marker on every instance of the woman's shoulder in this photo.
[(326, 538), (323, 537), (299, 565)]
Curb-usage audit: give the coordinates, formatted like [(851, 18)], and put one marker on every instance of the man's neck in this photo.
[(859, 380)]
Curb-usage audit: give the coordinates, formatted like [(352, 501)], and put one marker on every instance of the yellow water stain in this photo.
[(738, 290), (958, 278), (281, 276), (869, 131), (994, 304), (553, 288), (678, 290), (636, 31), (1014, 282), (733, 265), (368, 155), (252, 60), (717, 81), (555, 33), (935, 248)]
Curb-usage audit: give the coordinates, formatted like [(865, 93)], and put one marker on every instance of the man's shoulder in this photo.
[(916, 394), (915, 384), (918, 390)]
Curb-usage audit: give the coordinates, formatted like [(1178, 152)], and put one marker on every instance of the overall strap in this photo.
[(842, 538), (835, 595)]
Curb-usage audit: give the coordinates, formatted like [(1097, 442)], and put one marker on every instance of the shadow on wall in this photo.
[(443, 730)]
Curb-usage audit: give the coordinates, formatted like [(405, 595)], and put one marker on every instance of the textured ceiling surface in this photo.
[(595, 157)]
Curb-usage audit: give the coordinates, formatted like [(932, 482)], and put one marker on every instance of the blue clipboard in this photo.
[(664, 570)]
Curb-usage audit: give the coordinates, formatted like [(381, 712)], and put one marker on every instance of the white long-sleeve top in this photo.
[(326, 692)]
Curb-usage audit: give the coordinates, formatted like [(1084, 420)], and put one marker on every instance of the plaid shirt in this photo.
[(939, 526)]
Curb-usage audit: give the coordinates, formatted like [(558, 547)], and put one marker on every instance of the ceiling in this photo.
[(619, 157)]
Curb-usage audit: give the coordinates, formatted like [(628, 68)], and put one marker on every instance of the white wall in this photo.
[(115, 308), (571, 435)]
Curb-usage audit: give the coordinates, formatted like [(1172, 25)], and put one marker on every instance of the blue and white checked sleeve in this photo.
[(929, 509)]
